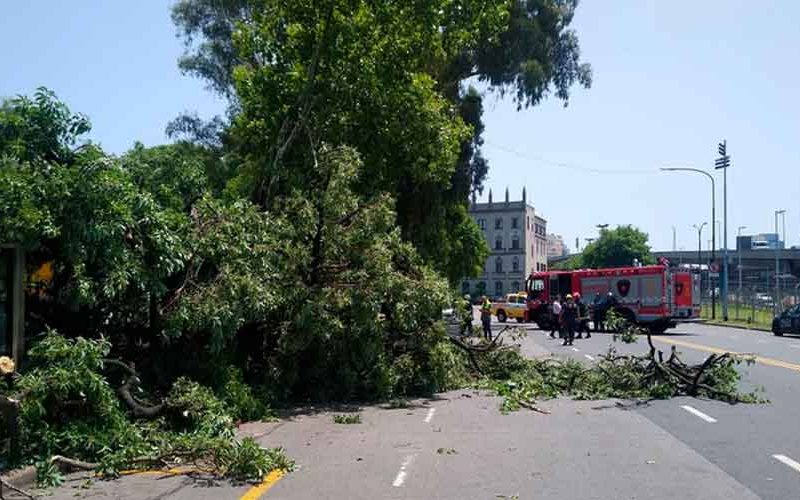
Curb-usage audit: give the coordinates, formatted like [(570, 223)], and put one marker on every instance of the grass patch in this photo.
[(354, 418)]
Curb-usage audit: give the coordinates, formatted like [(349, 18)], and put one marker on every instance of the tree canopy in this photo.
[(388, 80), (617, 247)]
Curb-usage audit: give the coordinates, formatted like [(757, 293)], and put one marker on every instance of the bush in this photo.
[(240, 399), (68, 407)]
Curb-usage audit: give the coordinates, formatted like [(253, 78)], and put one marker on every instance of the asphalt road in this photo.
[(458, 446), (758, 445)]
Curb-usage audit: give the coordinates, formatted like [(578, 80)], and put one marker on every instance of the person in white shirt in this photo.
[(555, 317)]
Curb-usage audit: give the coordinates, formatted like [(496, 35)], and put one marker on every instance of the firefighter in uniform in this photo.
[(569, 317), (597, 312), (486, 317), (583, 317)]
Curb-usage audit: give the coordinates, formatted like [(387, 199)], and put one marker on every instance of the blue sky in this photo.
[(671, 79)]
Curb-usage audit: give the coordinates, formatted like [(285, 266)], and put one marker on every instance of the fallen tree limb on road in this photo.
[(522, 381)]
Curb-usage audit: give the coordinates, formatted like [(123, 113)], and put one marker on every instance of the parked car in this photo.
[(787, 322), (765, 299), (452, 322)]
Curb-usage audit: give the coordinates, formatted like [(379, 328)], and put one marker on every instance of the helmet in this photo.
[(569, 296), (577, 295), (466, 296)]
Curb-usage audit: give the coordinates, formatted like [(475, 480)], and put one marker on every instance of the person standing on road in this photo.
[(569, 314), (583, 317), (466, 321), (486, 317), (555, 317), (597, 305)]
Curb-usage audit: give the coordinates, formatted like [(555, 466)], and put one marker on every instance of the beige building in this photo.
[(556, 246), (517, 238)]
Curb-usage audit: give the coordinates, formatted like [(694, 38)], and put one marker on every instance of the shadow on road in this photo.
[(336, 407)]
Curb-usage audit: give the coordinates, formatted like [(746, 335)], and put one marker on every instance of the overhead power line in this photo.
[(557, 164)]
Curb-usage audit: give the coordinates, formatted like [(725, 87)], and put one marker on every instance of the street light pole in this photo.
[(713, 217), (739, 252), (777, 264), (674, 246), (723, 162), (700, 254)]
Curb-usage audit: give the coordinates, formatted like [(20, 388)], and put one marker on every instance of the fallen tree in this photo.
[(652, 375), (71, 418)]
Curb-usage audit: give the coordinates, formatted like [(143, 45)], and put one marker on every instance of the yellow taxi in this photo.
[(513, 305)]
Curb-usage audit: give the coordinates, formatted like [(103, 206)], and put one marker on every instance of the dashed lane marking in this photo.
[(575, 349), (787, 461), (401, 476), (589, 357), (429, 416), (698, 413)]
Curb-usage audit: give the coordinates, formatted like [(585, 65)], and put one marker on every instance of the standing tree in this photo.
[(388, 79), (617, 247)]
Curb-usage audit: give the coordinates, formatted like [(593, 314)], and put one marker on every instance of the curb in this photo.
[(21, 478), (740, 327)]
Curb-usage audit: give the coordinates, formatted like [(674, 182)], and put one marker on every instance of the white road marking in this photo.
[(787, 461), (429, 416), (699, 413), (590, 358), (401, 476), (575, 349)]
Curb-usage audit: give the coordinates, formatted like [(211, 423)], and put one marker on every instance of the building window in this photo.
[(515, 286), (498, 265), (498, 243), (515, 243), (514, 223), (528, 218), (465, 287), (498, 288), (480, 288), (544, 267), (498, 223), (482, 224), (515, 265)]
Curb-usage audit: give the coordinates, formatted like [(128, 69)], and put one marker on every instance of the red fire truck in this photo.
[(656, 297)]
